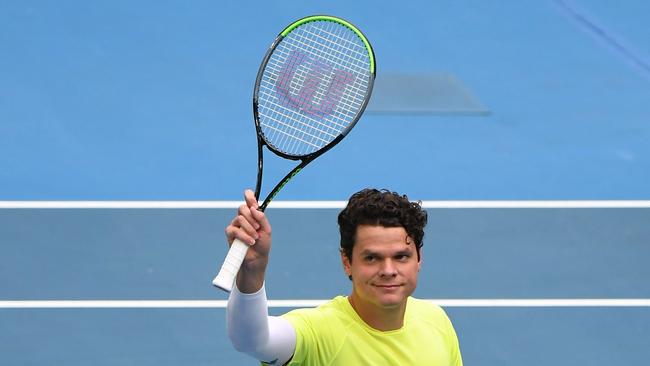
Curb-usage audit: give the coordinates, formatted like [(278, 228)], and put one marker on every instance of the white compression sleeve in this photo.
[(252, 331)]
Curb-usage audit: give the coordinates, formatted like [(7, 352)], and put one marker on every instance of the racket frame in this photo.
[(304, 159)]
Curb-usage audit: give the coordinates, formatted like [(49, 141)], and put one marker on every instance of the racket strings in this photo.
[(312, 87), (304, 39), (329, 130), (358, 87)]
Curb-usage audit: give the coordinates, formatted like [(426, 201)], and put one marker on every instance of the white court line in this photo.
[(185, 304), (314, 204)]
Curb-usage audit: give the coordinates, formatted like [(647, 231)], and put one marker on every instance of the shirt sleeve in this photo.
[(269, 339), (319, 335)]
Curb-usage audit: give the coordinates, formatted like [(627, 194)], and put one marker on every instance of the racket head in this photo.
[(312, 86)]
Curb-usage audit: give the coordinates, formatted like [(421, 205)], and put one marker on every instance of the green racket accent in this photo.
[(277, 189), (336, 20)]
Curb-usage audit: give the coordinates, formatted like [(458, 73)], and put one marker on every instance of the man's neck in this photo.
[(377, 317)]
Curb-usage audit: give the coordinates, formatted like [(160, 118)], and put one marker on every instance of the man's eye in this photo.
[(403, 257), (369, 258)]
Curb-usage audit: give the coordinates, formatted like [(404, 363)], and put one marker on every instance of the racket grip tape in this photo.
[(231, 265)]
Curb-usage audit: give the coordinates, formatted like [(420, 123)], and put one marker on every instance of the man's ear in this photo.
[(346, 263), (419, 258)]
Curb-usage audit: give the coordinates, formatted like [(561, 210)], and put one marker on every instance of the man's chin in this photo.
[(389, 302)]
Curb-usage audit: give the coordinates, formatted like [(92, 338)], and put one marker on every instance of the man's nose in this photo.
[(388, 268)]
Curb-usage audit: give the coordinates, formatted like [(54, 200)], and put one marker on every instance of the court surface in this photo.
[(151, 102)]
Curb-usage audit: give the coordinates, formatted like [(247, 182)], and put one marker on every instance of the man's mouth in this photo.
[(388, 285)]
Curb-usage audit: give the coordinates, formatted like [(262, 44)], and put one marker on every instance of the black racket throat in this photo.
[(304, 161)]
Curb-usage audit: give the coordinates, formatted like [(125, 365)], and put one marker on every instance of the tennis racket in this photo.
[(311, 89)]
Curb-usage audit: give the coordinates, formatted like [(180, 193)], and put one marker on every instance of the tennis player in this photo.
[(379, 323)]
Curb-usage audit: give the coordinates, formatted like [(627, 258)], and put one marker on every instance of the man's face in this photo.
[(384, 266)]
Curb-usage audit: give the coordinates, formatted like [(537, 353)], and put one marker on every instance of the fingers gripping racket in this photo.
[(311, 89)]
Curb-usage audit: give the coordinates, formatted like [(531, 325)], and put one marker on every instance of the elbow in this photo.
[(249, 343), (258, 351), (238, 342), (240, 347)]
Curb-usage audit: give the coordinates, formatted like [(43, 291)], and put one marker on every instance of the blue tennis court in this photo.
[(478, 106)]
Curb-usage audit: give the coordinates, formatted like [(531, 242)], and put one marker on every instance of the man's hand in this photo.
[(253, 228)]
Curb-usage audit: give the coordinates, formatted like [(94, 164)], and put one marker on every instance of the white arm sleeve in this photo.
[(267, 338)]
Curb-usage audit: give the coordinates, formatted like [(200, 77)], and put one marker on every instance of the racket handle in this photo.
[(230, 266)]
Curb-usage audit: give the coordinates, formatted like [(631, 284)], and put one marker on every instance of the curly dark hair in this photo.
[(383, 208)]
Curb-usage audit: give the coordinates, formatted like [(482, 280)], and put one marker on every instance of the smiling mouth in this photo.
[(387, 286)]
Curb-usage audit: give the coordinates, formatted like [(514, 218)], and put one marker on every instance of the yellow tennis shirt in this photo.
[(334, 334)]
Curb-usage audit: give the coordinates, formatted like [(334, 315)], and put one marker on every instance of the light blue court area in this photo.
[(159, 254), (469, 254), (475, 100)]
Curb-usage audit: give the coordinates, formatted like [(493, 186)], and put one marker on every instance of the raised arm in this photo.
[(250, 329)]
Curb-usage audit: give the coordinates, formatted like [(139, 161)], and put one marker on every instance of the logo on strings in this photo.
[(312, 98)]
